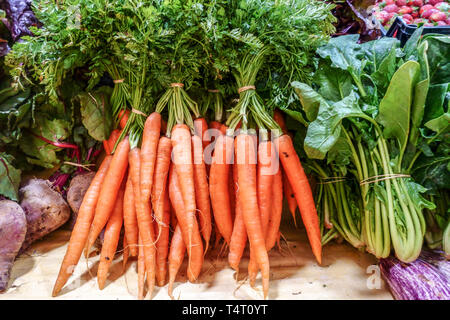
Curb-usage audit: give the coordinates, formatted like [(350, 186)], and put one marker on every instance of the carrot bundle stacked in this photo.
[(177, 183)]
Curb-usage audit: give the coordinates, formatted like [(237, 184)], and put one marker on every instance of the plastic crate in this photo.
[(403, 31)]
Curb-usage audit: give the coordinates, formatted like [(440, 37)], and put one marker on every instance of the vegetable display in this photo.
[(368, 117), (428, 13), (206, 120)]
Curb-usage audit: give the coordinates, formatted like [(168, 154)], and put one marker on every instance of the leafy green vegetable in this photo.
[(395, 107), (373, 116), (9, 178), (96, 113)]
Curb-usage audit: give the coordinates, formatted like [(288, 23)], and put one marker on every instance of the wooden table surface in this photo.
[(345, 273)]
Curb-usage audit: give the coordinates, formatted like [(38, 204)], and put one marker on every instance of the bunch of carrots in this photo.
[(169, 203)]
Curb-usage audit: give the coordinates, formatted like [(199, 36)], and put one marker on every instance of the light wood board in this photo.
[(345, 273)]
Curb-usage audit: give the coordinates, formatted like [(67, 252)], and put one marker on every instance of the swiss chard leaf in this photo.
[(433, 172), (395, 107), (9, 178), (37, 142), (438, 53), (309, 99), (345, 53), (96, 113), (325, 131), (334, 84)]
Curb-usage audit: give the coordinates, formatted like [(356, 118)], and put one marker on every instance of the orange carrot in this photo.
[(223, 129), (108, 192), (111, 239), (176, 256), (201, 190), (239, 235), (278, 116), (162, 245), (195, 253), (232, 193), (123, 118), (302, 189), (266, 159), (173, 217), (163, 126), (217, 236), (129, 218), (162, 216), (215, 125), (219, 187), (126, 253), (141, 270), (144, 219), (246, 157), (277, 209), (290, 197), (148, 152), (113, 137), (183, 164), (200, 129), (82, 226), (106, 147), (252, 267)]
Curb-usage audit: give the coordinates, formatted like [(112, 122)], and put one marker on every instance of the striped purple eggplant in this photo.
[(418, 280), (438, 259)]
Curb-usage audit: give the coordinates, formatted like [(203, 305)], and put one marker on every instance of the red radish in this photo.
[(405, 10), (408, 18), (391, 15), (416, 3), (415, 15), (438, 16), (400, 3), (392, 8), (382, 16), (426, 14), (425, 8)]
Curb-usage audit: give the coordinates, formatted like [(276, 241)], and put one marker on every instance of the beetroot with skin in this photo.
[(13, 228), (45, 209), (75, 194)]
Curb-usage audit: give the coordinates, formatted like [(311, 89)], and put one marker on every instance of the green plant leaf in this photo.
[(9, 178), (334, 84), (325, 131), (309, 99), (395, 107), (96, 113)]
